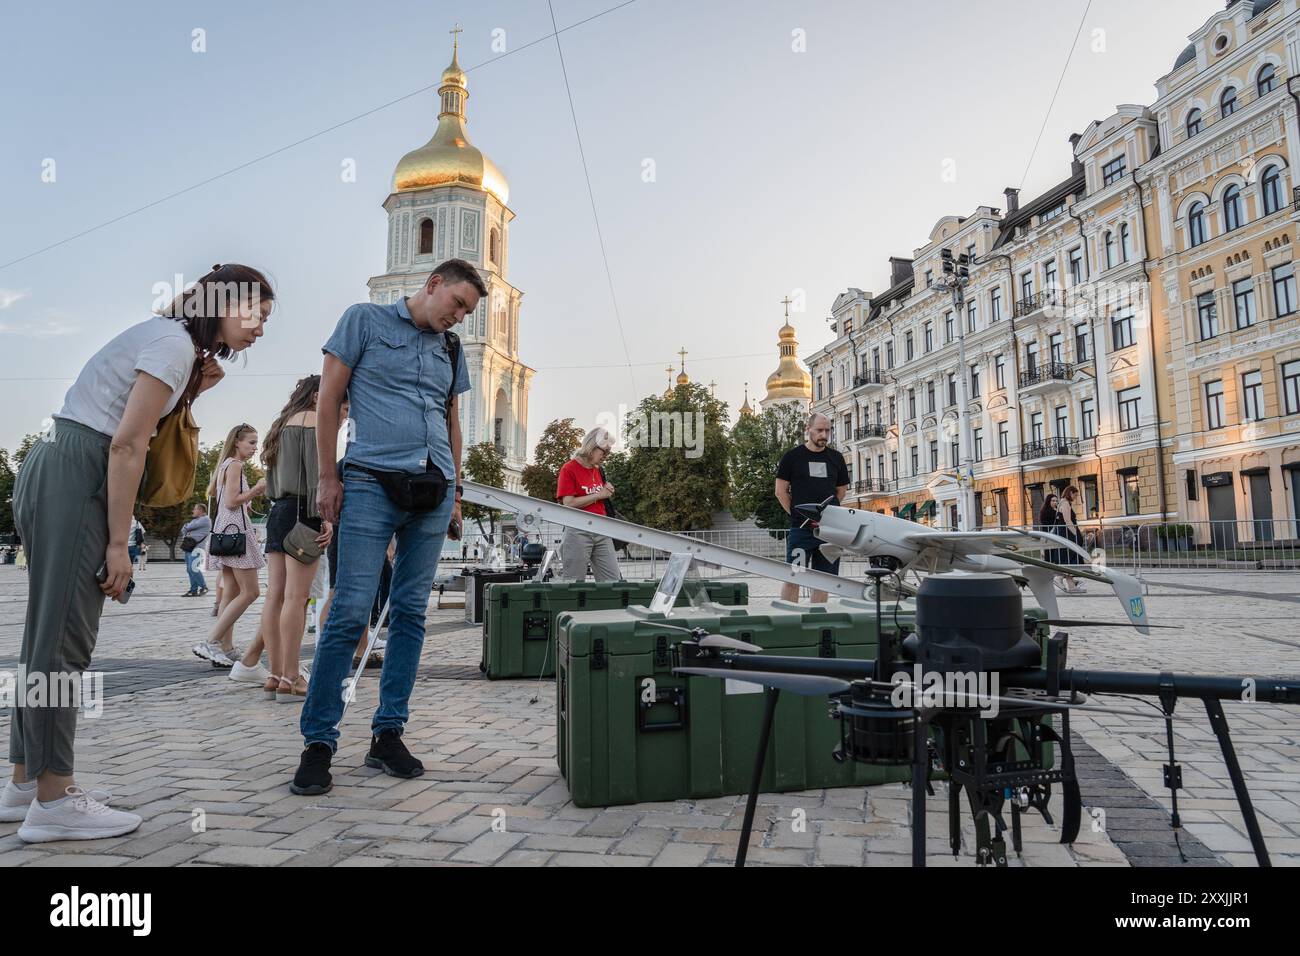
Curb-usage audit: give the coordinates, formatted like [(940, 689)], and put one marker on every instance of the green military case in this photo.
[(519, 619), (697, 737)]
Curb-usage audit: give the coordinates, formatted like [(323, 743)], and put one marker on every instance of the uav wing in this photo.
[(1002, 543)]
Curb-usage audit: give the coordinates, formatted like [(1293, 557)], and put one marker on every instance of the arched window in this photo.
[(1110, 250), (1194, 124), (1125, 246), (1196, 224), (1228, 102), (494, 246), (426, 237), (1231, 208), (1267, 81), (1271, 187)]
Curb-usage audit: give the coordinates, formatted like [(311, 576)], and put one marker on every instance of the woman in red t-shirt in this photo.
[(582, 485)]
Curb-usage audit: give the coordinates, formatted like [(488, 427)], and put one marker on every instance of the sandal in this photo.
[(375, 660), (291, 693), (271, 686)]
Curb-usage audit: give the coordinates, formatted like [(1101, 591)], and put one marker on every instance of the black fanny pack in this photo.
[(414, 493)]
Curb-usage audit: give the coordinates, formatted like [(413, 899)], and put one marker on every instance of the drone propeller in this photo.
[(724, 643), (805, 685), (1073, 623)]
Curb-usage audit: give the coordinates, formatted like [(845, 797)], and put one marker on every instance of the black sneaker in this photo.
[(313, 776), (389, 754)]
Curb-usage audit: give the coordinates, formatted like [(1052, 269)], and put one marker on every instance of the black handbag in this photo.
[(230, 544), (188, 544)]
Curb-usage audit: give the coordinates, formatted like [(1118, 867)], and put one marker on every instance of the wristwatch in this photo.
[(460, 492)]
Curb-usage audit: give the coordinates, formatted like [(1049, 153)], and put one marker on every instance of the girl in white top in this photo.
[(73, 503)]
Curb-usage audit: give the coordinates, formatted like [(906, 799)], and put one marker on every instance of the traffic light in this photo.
[(963, 267), (948, 267)]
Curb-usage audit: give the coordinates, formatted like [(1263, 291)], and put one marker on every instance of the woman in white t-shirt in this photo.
[(72, 505)]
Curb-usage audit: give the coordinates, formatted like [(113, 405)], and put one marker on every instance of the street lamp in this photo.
[(956, 276)]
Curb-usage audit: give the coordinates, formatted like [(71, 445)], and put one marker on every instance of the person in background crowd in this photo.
[(140, 543), (196, 530), (1049, 519), (402, 369), (809, 474), (581, 484), (1070, 530), (290, 460), (72, 504), (238, 572)]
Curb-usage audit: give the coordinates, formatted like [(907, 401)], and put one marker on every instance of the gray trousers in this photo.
[(61, 513), (581, 548)]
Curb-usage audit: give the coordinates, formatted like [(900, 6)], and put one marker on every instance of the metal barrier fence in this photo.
[(1271, 544)]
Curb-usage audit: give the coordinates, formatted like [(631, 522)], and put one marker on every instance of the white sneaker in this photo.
[(222, 658), (14, 802), (77, 816), (243, 674), (203, 649)]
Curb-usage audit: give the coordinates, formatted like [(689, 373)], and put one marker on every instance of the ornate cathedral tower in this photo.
[(449, 201), (790, 384)]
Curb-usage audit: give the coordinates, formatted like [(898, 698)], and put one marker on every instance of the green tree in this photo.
[(757, 444), (552, 450), (24, 447), (677, 450), (485, 465), (619, 473), (7, 478), (165, 523)]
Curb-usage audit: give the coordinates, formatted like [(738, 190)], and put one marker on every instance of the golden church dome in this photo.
[(449, 158), (790, 380)]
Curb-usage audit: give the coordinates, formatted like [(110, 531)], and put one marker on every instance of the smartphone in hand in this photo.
[(102, 575), (453, 530)]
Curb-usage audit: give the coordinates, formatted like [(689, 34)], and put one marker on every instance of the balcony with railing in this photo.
[(868, 487), (868, 378), (1045, 377), (871, 433), (1042, 303), (1046, 452), (1295, 199)]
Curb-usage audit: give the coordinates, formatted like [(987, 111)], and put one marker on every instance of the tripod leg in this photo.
[(920, 778), (769, 710), (1220, 724), (1015, 826)]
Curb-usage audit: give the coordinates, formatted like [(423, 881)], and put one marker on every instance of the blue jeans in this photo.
[(192, 569), (366, 523)]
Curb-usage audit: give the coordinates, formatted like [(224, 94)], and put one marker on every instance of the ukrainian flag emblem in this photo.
[(1135, 607)]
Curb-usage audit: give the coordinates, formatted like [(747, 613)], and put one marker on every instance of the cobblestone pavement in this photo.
[(206, 762)]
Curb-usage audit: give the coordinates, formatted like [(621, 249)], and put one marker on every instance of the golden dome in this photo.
[(746, 410), (683, 379), (790, 380), (449, 158)]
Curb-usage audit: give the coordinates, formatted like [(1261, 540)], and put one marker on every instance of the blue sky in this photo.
[(775, 170)]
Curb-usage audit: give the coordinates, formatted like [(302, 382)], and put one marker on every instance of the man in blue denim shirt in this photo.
[(394, 364)]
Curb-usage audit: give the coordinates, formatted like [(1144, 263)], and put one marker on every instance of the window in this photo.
[(952, 388), (880, 467), (1036, 427), (1000, 370), (875, 359), (1031, 357), (1243, 303), (934, 455), (1081, 342), (1291, 387), (1271, 186), (844, 376), (1228, 102), (971, 317), (1109, 244), (1076, 265), (1207, 313), (929, 396), (1121, 328), (929, 278), (1284, 289), (979, 444), (907, 347), (893, 410), (830, 384), (819, 388), (880, 419), (893, 465), (1062, 421), (970, 252), (975, 381), (1194, 124), (1087, 418), (995, 305), (1003, 439), (911, 403), (954, 453), (1196, 224), (1252, 396), (1267, 81), (915, 463), (889, 354), (1125, 245), (929, 337), (1113, 171), (426, 237), (1132, 502), (1127, 400), (1088, 486), (947, 327), (1026, 286), (1049, 274), (1052, 213), (1232, 208), (1056, 347)]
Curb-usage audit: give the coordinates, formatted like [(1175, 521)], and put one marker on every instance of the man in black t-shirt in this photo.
[(809, 474)]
